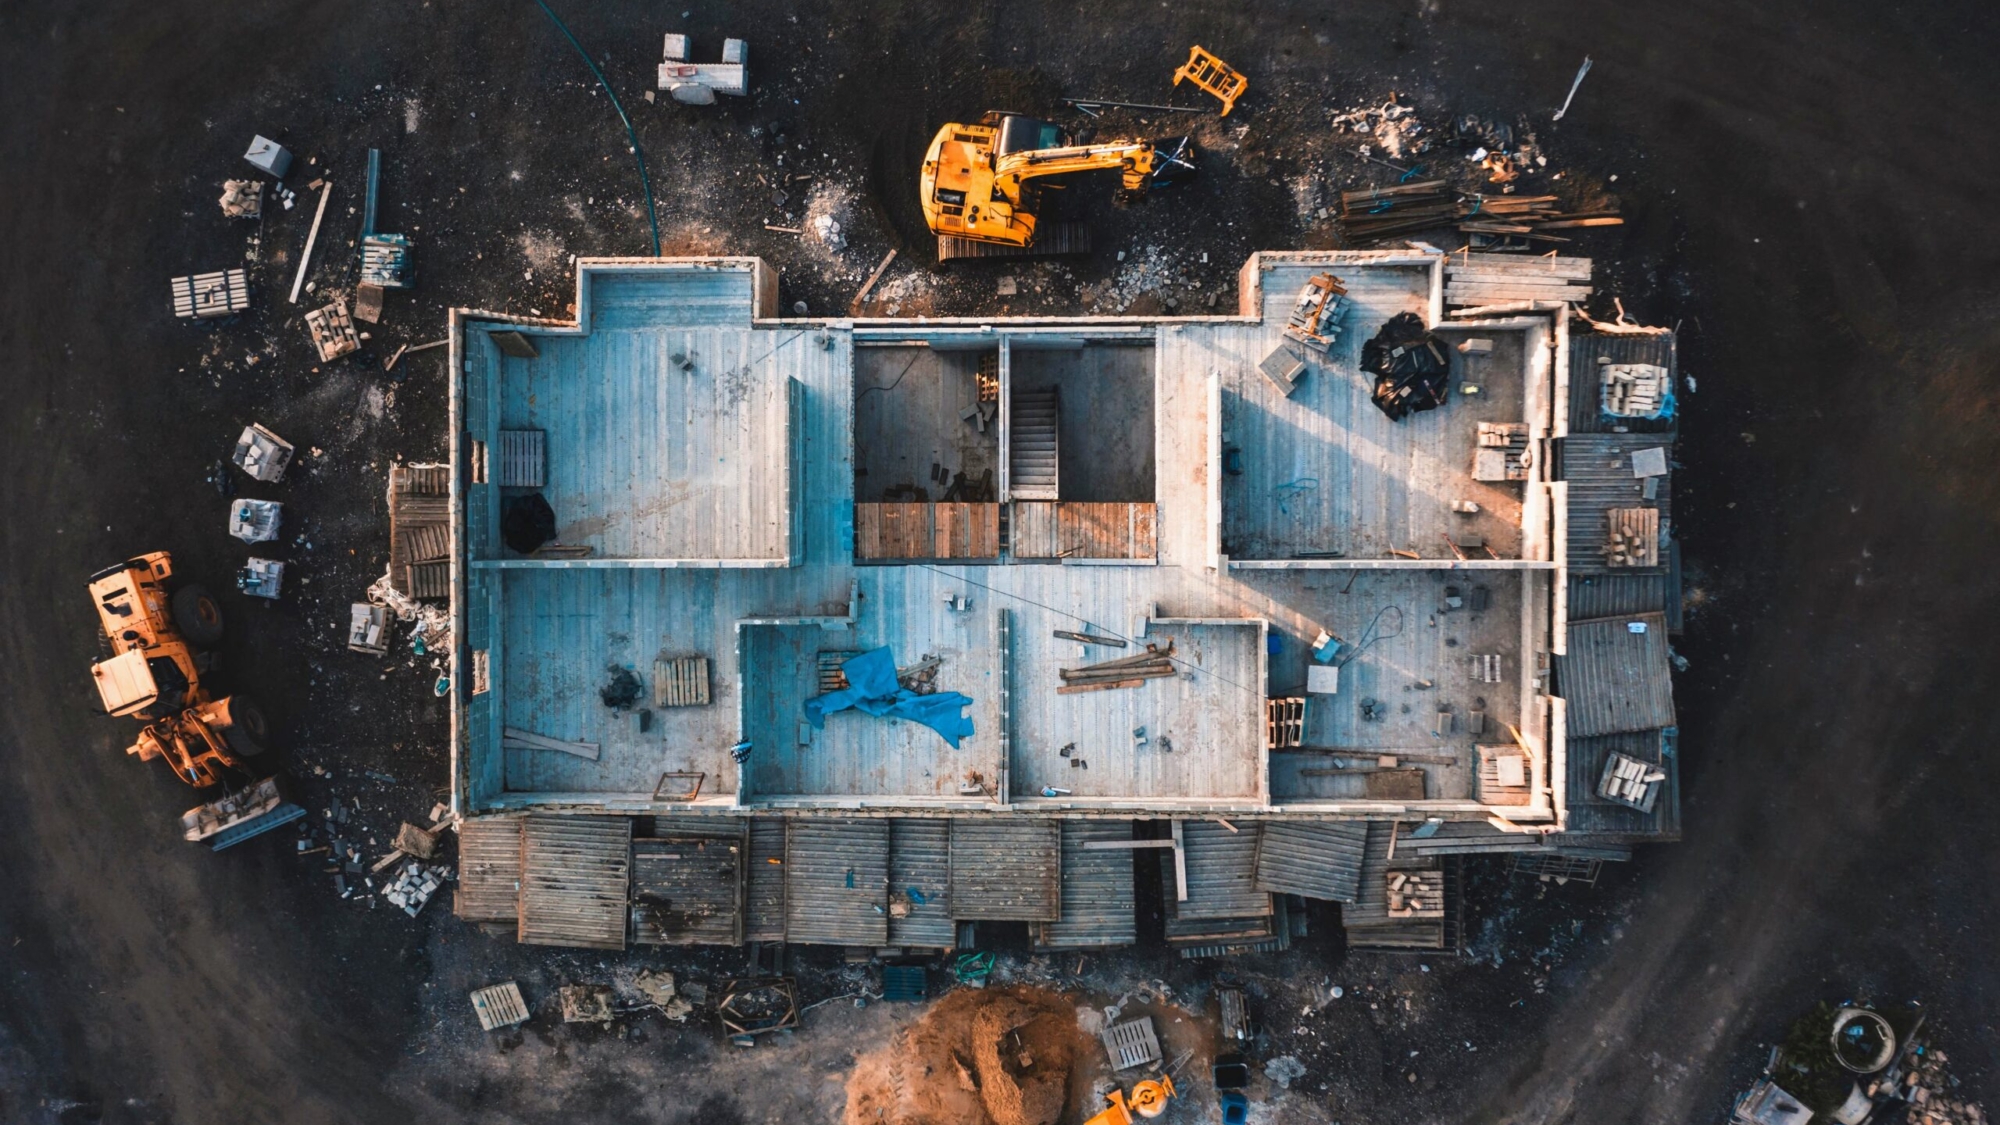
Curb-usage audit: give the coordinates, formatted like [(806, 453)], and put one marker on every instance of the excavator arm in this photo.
[(977, 185), (1133, 159)]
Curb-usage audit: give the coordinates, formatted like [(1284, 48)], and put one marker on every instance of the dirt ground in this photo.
[(1809, 195)]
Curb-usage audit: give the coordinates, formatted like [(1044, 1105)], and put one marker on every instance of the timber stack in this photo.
[(1126, 672)]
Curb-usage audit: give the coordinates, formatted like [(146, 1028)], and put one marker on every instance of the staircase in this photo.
[(1031, 451)]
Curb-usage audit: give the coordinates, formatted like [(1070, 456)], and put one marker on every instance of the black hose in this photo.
[(644, 182)]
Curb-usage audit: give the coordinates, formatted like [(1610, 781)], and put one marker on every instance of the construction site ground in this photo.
[(1808, 199)]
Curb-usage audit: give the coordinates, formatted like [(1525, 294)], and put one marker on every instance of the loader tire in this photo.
[(197, 616), (247, 730)]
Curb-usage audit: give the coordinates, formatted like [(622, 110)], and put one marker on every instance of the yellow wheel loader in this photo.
[(159, 639), (982, 184)]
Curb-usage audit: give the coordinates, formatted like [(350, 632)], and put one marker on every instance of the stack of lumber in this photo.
[(1373, 214), (1633, 538), (1496, 279), (1416, 894), (1125, 672), (1629, 781), (420, 530), (1632, 390), (1526, 216)]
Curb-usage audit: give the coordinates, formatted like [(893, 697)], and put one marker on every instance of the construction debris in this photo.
[(586, 1003), (755, 1006)]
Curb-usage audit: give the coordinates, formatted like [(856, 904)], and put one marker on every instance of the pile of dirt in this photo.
[(999, 1056)]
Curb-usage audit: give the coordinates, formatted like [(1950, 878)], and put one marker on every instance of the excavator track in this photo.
[(1052, 240)]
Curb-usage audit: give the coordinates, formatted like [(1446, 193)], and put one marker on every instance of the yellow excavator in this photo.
[(982, 184)]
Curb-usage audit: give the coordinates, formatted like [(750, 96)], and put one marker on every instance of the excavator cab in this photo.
[(1021, 133)]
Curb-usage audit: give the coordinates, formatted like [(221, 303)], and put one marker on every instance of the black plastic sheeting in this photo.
[(1412, 369), (528, 523)]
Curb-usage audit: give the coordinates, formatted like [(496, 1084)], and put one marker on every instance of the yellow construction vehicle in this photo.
[(982, 184), (1149, 1099), (159, 644)]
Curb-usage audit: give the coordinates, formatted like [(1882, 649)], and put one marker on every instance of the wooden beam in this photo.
[(1089, 638), (1180, 864), (854, 307), (305, 259), (1098, 685), (1125, 845)]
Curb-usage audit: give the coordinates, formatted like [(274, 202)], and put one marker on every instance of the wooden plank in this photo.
[(514, 738), (917, 530), (1108, 530), (1098, 685), (1483, 277), (1180, 864), (1034, 531), (1089, 638), (854, 306)]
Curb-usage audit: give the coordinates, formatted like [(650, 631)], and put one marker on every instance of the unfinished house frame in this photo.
[(1377, 663)]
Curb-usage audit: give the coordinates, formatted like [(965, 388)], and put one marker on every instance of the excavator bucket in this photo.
[(1213, 75)]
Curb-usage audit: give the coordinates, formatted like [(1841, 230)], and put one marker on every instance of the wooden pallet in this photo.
[(333, 331), (1284, 722), (681, 682), (523, 459)]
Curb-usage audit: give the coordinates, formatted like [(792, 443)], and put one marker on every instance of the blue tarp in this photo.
[(872, 689)]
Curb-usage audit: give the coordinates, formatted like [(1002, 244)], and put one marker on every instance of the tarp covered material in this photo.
[(872, 689), (1412, 368)]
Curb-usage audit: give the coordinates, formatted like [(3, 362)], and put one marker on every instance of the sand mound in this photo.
[(999, 1056)]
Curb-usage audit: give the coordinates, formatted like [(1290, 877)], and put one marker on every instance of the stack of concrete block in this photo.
[(1632, 390), (413, 887)]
